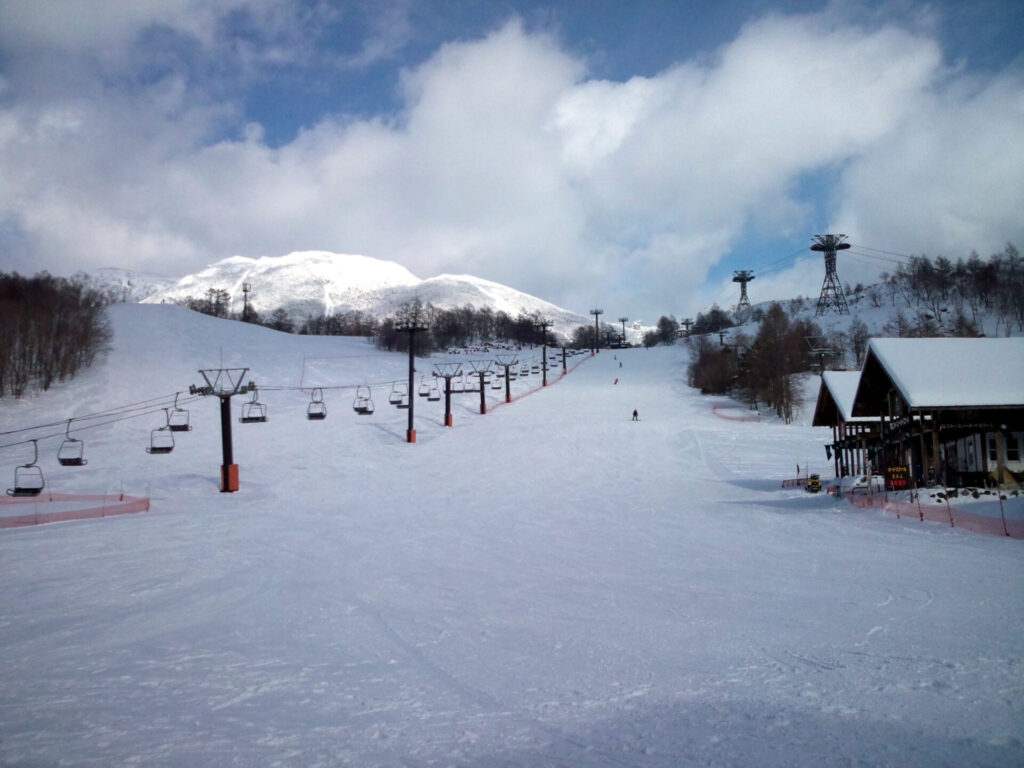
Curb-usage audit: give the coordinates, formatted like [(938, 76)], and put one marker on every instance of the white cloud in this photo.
[(949, 179), (506, 161)]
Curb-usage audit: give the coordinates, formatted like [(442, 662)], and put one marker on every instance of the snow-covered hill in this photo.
[(880, 315), (128, 284), (547, 584), (316, 283)]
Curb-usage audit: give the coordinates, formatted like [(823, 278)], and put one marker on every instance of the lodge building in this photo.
[(930, 410)]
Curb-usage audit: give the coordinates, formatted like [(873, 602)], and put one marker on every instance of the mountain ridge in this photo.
[(319, 283)]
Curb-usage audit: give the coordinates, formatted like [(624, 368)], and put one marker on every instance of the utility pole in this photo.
[(225, 383), (542, 326), (742, 276), (831, 292), (412, 326), (507, 362), (448, 371), (597, 332)]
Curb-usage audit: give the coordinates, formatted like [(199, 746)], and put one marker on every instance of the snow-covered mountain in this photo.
[(319, 282), (128, 284)]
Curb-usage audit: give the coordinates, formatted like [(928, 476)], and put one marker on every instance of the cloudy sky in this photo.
[(623, 154)]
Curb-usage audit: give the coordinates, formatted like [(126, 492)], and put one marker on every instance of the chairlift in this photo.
[(399, 396), (317, 409), (161, 439), (253, 412), (28, 478), (363, 403), (435, 392), (496, 383), (458, 384), (72, 451), (177, 420), (424, 388)]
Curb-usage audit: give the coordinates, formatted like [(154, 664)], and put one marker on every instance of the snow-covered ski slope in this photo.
[(551, 584)]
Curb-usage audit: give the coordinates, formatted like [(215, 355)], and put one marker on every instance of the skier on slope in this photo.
[(636, 416)]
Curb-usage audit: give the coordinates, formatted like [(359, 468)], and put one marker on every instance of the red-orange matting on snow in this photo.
[(100, 505)]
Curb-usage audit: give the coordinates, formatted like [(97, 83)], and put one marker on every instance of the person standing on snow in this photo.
[(636, 416)]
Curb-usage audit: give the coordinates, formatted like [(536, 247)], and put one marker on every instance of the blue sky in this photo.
[(622, 154)]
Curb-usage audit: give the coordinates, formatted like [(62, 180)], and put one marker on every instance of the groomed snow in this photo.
[(551, 584)]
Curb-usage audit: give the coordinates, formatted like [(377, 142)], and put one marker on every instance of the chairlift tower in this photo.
[(448, 371), (742, 276), (623, 321), (831, 292), (507, 362), (481, 368), (686, 324), (821, 352), (412, 326), (542, 326), (246, 307), (224, 383), (597, 330)]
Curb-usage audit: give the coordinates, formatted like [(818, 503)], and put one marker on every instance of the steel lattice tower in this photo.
[(831, 293), (743, 276)]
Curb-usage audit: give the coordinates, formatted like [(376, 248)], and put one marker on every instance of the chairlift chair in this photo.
[(363, 403), (28, 478), (161, 439), (435, 392), (424, 388), (177, 420), (317, 409), (399, 396), (253, 412), (458, 384), (496, 383), (72, 451)]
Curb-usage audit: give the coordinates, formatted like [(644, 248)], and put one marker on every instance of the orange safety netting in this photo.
[(58, 507), (950, 514)]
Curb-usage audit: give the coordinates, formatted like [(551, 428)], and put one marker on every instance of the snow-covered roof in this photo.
[(950, 373), (842, 385)]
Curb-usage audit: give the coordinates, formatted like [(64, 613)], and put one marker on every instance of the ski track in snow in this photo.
[(550, 584)]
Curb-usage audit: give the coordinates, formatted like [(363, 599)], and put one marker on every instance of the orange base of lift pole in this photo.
[(410, 435), (448, 419), (228, 478)]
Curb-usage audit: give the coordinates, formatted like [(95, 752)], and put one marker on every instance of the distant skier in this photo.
[(636, 416)]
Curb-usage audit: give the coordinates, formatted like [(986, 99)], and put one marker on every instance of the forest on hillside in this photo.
[(50, 328), (927, 298)]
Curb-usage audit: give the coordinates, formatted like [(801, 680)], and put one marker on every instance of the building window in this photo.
[(1013, 448), (993, 454)]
